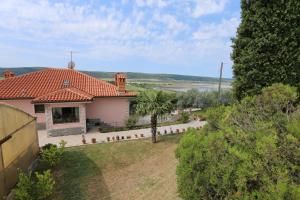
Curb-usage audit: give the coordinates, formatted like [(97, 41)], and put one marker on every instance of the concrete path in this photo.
[(76, 140)]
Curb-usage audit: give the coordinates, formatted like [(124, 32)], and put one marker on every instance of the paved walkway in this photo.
[(76, 140)]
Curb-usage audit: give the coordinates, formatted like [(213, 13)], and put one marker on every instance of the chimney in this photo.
[(8, 74), (120, 81)]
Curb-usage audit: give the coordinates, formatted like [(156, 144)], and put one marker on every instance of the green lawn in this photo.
[(125, 170)]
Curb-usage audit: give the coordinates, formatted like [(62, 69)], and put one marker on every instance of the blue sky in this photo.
[(157, 36)]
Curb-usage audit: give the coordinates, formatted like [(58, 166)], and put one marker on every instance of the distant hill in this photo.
[(130, 75)]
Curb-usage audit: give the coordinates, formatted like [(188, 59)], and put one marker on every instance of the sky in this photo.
[(190, 37)]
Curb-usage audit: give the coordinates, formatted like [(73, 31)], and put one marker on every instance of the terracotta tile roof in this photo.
[(64, 95), (51, 82)]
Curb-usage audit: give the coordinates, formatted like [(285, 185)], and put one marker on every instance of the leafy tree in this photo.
[(155, 104), (266, 49), (249, 150), (196, 99)]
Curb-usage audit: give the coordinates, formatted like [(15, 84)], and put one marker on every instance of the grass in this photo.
[(125, 170)]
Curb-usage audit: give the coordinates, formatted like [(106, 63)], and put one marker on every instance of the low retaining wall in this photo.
[(41, 126), (66, 131)]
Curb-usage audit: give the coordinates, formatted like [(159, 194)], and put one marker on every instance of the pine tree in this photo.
[(266, 49)]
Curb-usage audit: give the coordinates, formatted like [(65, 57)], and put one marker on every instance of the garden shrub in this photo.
[(48, 146), (44, 184), (24, 188), (215, 117), (242, 153), (184, 117), (293, 125), (51, 154), (38, 187), (131, 121)]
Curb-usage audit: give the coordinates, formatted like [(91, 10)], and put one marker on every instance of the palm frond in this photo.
[(153, 103)]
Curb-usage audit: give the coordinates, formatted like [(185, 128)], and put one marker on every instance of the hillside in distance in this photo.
[(130, 75)]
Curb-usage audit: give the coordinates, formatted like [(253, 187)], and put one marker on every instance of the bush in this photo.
[(24, 188), (131, 121), (294, 126), (51, 154), (34, 188), (48, 146), (243, 153), (44, 184), (215, 117), (184, 117)]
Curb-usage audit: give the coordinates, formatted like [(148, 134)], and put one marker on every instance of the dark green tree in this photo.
[(266, 49)]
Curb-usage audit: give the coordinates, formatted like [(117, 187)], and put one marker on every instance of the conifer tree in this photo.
[(266, 49)]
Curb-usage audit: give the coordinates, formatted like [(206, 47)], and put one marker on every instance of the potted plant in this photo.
[(83, 139)]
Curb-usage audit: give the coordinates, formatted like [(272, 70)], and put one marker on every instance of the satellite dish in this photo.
[(71, 65)]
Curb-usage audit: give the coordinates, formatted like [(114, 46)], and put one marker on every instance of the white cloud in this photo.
[(225, 29), (152, 3), (56, 21), (170, 22), (109, 32), (205, 7)]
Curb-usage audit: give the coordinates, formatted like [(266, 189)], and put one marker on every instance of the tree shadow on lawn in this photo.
[(78, 177), (171, 138)]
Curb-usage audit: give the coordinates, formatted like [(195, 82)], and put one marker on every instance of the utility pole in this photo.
[(220, 82)]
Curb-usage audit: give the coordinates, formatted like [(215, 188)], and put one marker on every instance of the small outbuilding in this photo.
[(18, 145)]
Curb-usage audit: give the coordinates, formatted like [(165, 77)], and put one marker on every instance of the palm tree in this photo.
[(155, 104)]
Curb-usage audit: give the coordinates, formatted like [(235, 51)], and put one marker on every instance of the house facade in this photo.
[(64, 101)]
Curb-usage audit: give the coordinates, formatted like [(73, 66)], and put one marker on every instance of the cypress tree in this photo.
[(266, 49)]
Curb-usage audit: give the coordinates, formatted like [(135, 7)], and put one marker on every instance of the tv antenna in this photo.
[(71, 64)]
